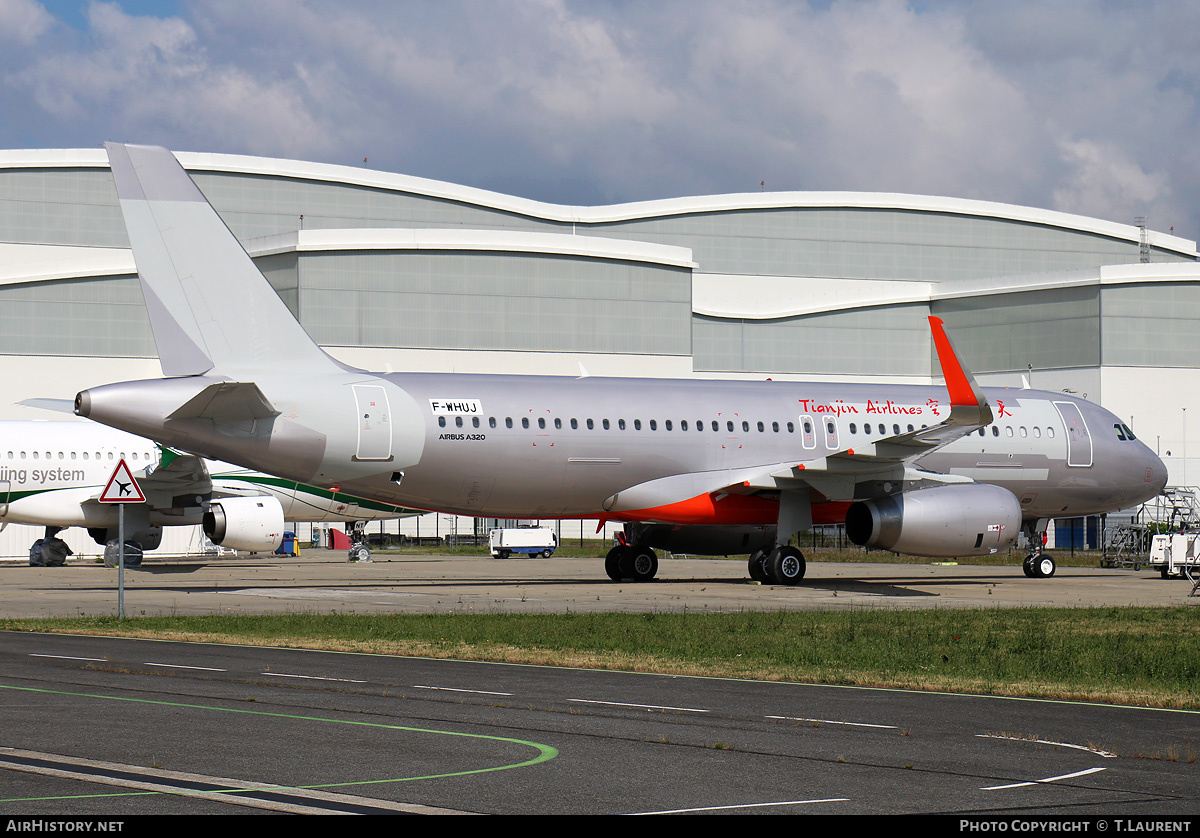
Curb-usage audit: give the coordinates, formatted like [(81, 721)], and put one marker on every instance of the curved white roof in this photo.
[(204, 161)]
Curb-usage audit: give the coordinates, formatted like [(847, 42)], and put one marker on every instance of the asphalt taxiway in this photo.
[(322, 581)]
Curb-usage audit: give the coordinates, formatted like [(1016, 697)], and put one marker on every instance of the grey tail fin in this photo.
[(210, 307)]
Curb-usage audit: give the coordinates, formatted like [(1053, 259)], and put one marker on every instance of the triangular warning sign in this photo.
[(122, 488)]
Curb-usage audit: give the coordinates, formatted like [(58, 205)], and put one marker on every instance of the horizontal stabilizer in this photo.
[(57, 405)]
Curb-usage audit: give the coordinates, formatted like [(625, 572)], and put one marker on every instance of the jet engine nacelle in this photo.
[(254, 524), (972, 519)]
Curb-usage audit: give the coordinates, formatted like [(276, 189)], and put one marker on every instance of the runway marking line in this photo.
[(744, 806), (458, 690), (545, 753), (1087, 748), (832, 722), (639, 706), (313, 677), (1044, 780), (68, 658), (184, 666)]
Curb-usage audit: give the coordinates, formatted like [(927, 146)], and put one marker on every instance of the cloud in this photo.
[(23, 21), (1084, 104)]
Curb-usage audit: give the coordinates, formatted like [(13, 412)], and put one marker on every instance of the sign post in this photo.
[(121, 489)]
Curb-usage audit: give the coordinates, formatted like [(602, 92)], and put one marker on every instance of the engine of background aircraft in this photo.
[(945, 521), (254, 523)]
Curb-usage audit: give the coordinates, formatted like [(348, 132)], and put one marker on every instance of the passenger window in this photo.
[(683, 425), (1024, 433), (791, 428), (667, 425), (542, 423), (1037, 432), (637, 424), (591, 425), (508, 421), (760, 427), (474, 421), (491, 421), (525, 422), (853, 428), (458, 421), (574, 424), (995, 430), (558, 424), (775, 427), (605, 423), (441, 421), (717, 427), (621, 424)]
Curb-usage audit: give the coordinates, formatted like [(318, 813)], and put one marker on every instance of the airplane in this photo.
[(52, 474), (706, 467)]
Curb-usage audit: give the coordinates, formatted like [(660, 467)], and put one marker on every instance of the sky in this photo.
[(1082, 106)]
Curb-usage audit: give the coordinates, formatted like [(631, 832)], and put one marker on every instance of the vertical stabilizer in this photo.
[(209, 305)]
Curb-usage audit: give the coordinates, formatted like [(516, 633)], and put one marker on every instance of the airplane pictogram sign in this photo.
[(122, 488)]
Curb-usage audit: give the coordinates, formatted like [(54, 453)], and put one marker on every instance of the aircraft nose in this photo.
[(1156, 472)]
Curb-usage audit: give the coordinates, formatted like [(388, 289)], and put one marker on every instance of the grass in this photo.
[(1134, 656)]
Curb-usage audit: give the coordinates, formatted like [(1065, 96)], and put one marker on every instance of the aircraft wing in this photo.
[(892, 458), (176, 481), (835, 477)]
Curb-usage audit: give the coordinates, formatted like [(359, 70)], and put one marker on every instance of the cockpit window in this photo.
[(1128, 432), (1120, 432)]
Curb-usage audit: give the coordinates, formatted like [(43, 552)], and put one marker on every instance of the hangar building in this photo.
[(395, 272)]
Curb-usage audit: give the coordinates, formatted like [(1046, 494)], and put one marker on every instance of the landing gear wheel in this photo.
[(643, 564), (1028, 566), (360, 553), (786, 566), (757, 567), (612, 563), (1044, 566)]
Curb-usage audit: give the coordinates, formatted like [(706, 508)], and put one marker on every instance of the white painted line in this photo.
[(744, 806), (1097, 751), (639, 706), (181, 666), (1045, 780), (313, 677), (454, 690), (832, 722), (68, 658)]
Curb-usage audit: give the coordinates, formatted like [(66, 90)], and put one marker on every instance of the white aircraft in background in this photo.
[(710, 467), (52, 473)]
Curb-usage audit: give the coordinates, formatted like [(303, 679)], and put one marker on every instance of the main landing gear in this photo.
[(631, 561), (781, 565)]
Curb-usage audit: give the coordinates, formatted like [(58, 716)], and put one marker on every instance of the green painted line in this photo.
[(545, 752)]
